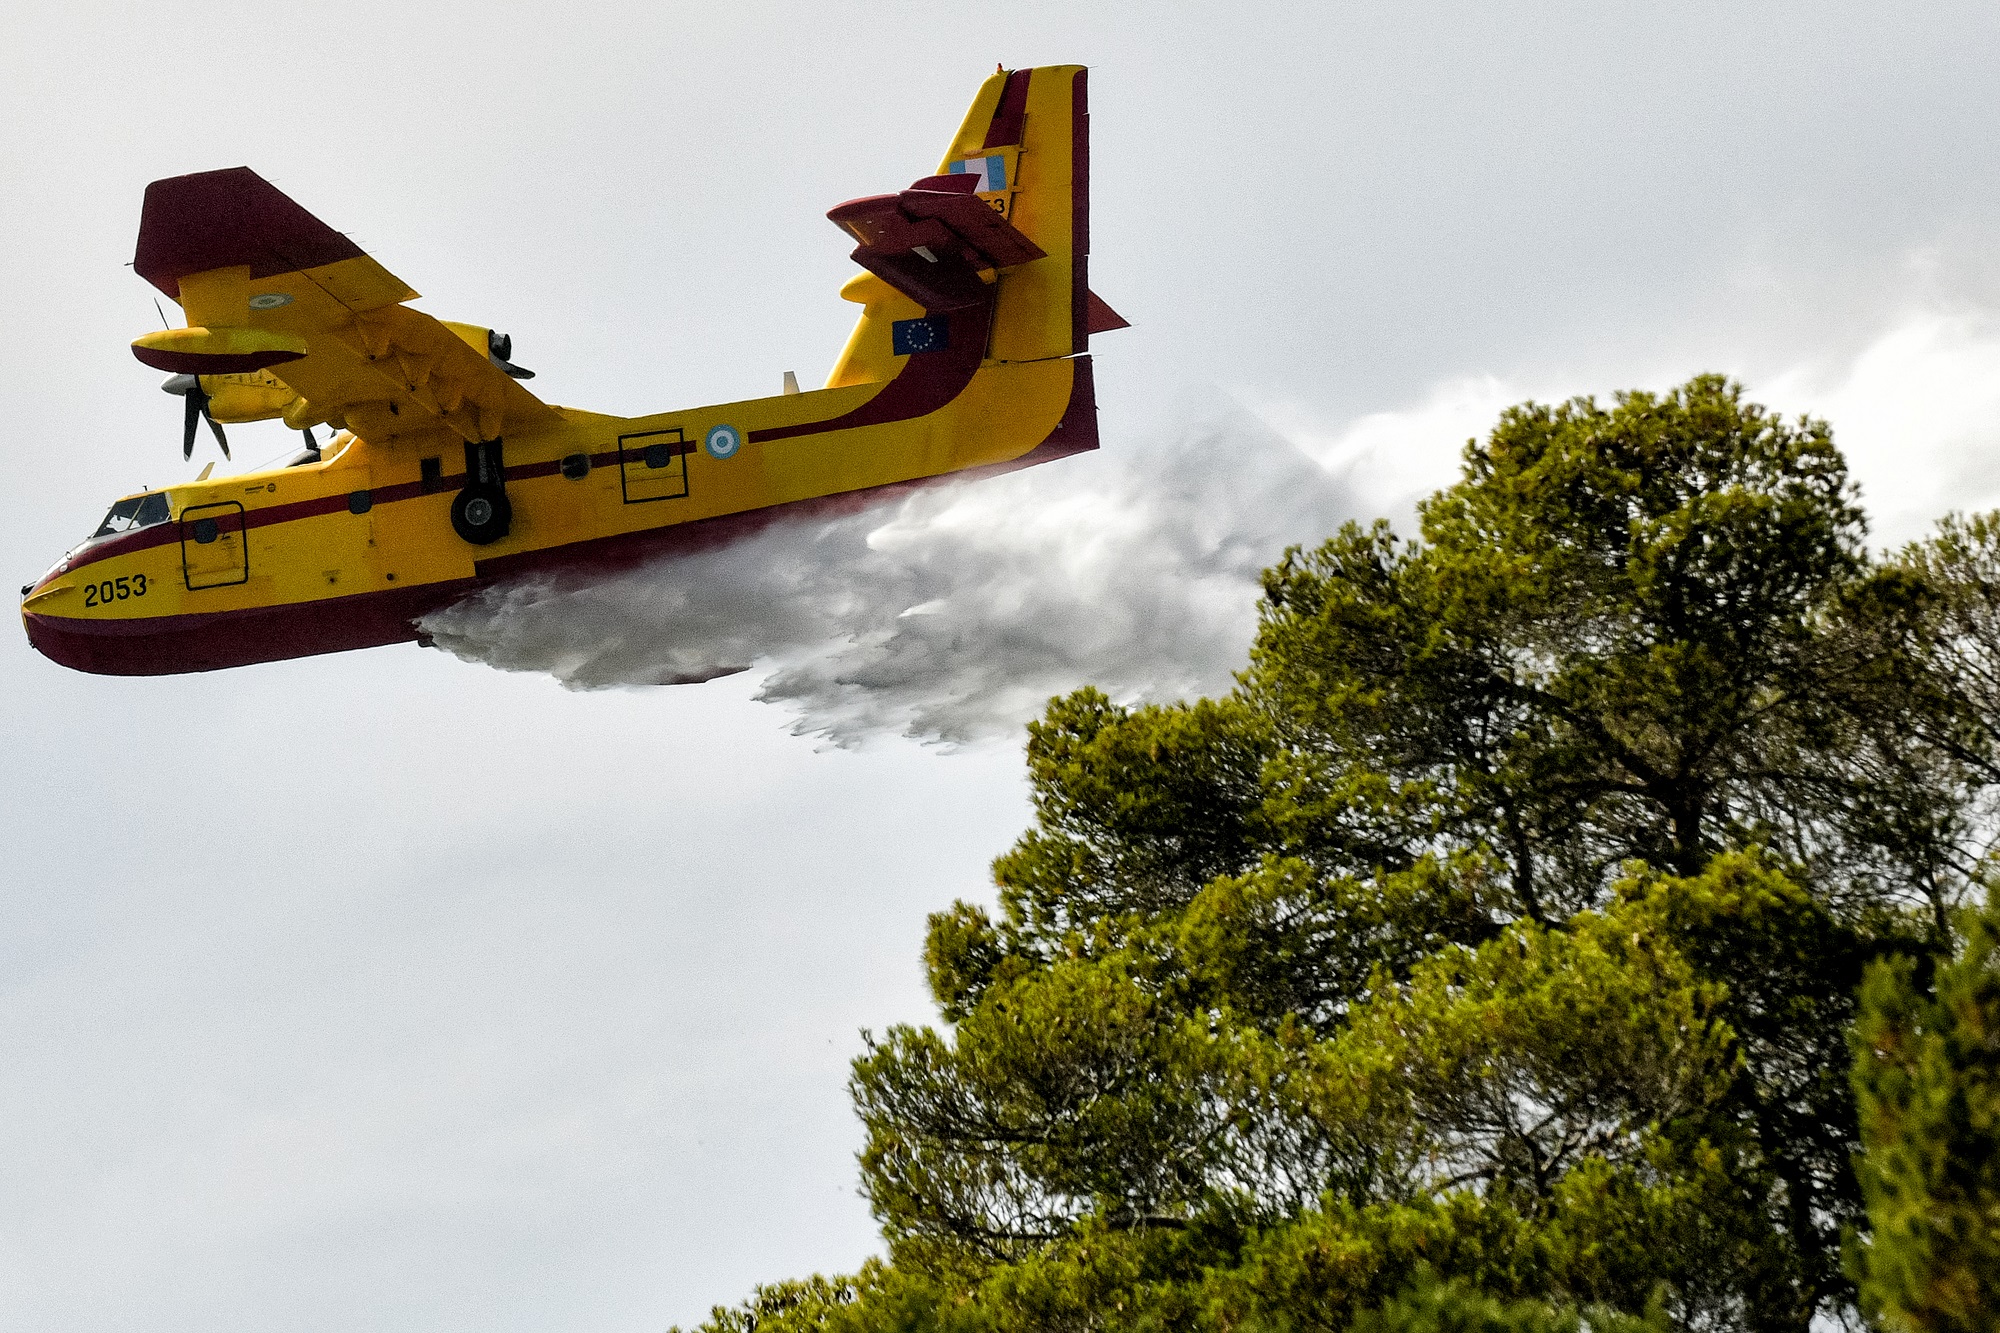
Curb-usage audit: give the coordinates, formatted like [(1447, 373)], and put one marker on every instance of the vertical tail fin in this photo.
[(1028, 136)]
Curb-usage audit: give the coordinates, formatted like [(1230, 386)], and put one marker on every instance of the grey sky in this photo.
[(391, 991)]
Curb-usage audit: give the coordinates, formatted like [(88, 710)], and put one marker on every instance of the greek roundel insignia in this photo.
[(722, 441)]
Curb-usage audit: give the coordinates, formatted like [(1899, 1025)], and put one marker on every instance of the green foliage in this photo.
[(1929, 703), (785, 1307), (1283, 944), (1047, 1106), (1927, 1073), (1443, 1307), (1135, 811), (1604, 648), (1499, 934)]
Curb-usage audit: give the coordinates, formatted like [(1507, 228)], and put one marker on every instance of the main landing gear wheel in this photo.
[(481, 514)]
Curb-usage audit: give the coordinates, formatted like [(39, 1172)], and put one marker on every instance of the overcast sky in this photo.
[(393, 991)]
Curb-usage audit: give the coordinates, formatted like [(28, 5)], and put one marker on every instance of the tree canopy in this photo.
[(1489, 958), (1927, 1071)]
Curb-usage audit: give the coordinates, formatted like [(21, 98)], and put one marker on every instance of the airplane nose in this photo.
[(49, 632), (41, 591), (63, 647), (101, 648), (47, 589), (48, 578)]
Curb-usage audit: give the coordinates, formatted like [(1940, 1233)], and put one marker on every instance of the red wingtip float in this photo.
[(446, 472)]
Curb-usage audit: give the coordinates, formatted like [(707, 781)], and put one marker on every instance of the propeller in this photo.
[(189, 388)]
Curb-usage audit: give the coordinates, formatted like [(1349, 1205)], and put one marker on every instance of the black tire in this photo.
[(481, 514)]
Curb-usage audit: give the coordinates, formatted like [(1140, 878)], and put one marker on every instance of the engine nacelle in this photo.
[(255, 395)]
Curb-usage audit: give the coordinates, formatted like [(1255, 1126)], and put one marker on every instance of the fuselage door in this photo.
[(652, 465), (213, 551)]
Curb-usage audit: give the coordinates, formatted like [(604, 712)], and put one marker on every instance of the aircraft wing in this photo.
[(267, 286)]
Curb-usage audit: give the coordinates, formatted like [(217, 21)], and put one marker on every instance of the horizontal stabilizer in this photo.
[(932, 241), (1101, 318)]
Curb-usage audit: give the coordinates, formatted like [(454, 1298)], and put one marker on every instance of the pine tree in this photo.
[(1927, 1077), (1504, 925)]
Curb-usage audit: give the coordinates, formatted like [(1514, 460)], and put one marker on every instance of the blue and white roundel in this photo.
[(722, 441)]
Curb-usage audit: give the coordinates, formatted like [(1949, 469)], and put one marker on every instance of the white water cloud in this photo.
[(1392, 459)]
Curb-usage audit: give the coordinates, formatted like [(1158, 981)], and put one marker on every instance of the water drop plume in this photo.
[(953, 613)]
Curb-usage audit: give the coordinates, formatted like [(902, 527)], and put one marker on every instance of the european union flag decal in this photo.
[(932, 334)]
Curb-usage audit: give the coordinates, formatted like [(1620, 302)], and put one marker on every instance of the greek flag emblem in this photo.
[(991, 170)]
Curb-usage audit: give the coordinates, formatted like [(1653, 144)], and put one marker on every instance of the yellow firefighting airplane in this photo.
[(445, 473)]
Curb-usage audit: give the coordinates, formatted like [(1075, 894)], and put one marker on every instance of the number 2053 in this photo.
[(114, 590)]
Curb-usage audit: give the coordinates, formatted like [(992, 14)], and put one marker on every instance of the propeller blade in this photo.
[(215, 426), (188, 420), (311, 443)]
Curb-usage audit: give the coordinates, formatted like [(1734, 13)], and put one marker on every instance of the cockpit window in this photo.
[(137, 511)]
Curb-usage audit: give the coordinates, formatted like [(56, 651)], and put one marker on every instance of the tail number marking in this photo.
[(114, 590)]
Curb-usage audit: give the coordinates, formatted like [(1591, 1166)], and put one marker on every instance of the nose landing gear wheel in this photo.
[(481, 514)]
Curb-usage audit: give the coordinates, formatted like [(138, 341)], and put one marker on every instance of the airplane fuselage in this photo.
[(350, 551)]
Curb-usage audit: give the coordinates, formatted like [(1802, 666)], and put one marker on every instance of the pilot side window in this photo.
[(138, 511)]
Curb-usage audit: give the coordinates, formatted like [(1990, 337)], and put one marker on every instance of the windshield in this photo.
[(136, 511)]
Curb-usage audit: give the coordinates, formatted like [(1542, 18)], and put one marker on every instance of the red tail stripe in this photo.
[(1011, 114)]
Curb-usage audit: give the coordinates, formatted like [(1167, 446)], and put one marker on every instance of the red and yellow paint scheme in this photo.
[(445, 473)]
